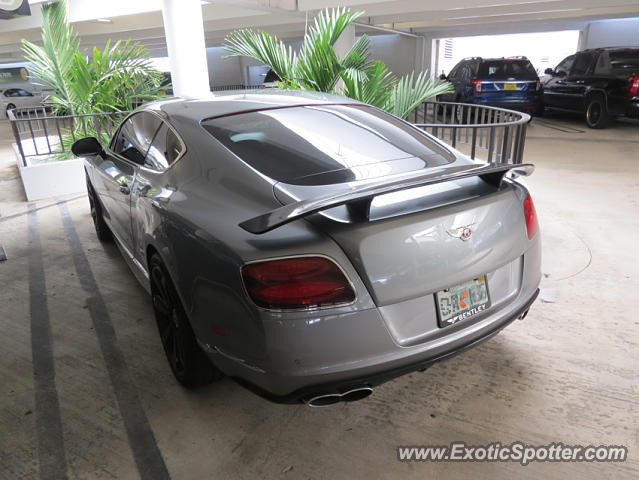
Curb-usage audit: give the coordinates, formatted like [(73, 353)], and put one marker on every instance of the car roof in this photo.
[(494, 59), (599, 49), (229, 103)]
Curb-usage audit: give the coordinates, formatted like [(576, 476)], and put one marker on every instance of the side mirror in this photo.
[(549, 71), (443, 77), (86, 147)]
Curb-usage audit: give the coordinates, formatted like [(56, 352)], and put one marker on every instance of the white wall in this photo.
[(612, 33), (396, 51), (223, 71)]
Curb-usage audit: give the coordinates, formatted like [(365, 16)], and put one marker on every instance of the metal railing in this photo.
[(38, 132), (230, 88), (485, 133)]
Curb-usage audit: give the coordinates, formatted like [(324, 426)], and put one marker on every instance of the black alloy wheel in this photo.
[(101, 228), (188, 362)]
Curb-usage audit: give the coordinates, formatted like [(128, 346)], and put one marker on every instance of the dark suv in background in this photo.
[(500, 82), (601, 83)]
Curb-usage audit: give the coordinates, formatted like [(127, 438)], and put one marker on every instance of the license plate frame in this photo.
[(474, 287), (510, 86)]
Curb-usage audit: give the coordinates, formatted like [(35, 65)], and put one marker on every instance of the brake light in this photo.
[(530, 214), (633, 84), (477, 85), (297, 283)]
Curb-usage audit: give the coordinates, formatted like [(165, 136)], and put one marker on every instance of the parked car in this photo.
[(308, 245), (11, 98), (270, 79), (500, 82), (601, 84)]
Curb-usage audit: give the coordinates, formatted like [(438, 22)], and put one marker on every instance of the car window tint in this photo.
[(12, 92), (24, 93), (603, 66), (582, 63), (626, 61), (165, 149), (135, 136), (454, 72), (323, 144), (156, 157), (507, 69), (174, 147), (565, 64)]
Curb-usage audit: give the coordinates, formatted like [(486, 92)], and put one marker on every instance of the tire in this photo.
[(540, 110), (597, 115), (11, 106), (102, 230), (190, 366)]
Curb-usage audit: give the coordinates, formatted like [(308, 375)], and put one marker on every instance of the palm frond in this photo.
[(265, 48), (410, 92)]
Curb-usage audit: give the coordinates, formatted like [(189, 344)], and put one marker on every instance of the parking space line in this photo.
[(51, 454), (146, 453)]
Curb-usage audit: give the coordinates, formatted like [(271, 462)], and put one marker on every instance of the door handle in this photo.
[(124, 188), (580, 82), (561, 82)]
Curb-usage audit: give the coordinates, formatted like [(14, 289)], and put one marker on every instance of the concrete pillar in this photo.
[(184, 33), (345, 42), (425, 55)]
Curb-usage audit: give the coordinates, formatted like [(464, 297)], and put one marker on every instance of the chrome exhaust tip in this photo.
[(328, 399), (356, 394)]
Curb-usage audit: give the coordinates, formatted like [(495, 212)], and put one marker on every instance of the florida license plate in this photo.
[(510, 86), (462, 301)]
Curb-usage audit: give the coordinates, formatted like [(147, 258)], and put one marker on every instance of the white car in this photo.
[(16, 98)]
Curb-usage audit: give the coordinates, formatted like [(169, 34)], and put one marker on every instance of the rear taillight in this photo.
[(530, 214), (633, 84), (476, 85), (297, 283)]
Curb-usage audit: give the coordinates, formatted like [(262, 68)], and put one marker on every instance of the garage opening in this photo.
[(543, 49)]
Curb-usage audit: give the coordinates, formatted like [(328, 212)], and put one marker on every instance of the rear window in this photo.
[(520, 69), (625, 60), (325, 144)]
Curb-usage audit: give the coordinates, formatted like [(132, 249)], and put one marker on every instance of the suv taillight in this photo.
[(296, 283), (477, 85), (530, 214), (633, 84)]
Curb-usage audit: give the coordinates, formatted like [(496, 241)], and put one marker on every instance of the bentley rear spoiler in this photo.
[(358, 199)]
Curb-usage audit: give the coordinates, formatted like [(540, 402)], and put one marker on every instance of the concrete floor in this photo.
[(568, 373)]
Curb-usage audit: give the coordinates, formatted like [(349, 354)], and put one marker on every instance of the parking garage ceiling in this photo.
[(142, 20)]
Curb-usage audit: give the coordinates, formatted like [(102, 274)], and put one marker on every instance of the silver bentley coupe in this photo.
[(310, 246)]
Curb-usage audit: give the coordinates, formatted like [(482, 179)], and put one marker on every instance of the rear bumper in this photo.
[(633, 109), (334, 353), (383, 375), (519, 105)]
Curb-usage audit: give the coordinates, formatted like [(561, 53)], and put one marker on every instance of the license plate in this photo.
[(510, 86), (462, 301)]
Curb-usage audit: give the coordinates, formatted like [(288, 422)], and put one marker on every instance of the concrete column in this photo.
[(184, 33), (425, 55), (345, 42)]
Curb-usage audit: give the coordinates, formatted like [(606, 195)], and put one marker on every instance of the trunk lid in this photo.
[(413, 246)]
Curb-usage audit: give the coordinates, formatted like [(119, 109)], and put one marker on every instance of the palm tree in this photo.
[(317, 67), (110, 80)]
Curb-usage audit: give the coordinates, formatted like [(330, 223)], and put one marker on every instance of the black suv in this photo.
[(601, 83)]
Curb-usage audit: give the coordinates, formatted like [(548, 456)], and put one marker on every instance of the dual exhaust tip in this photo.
[(327, 399)]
